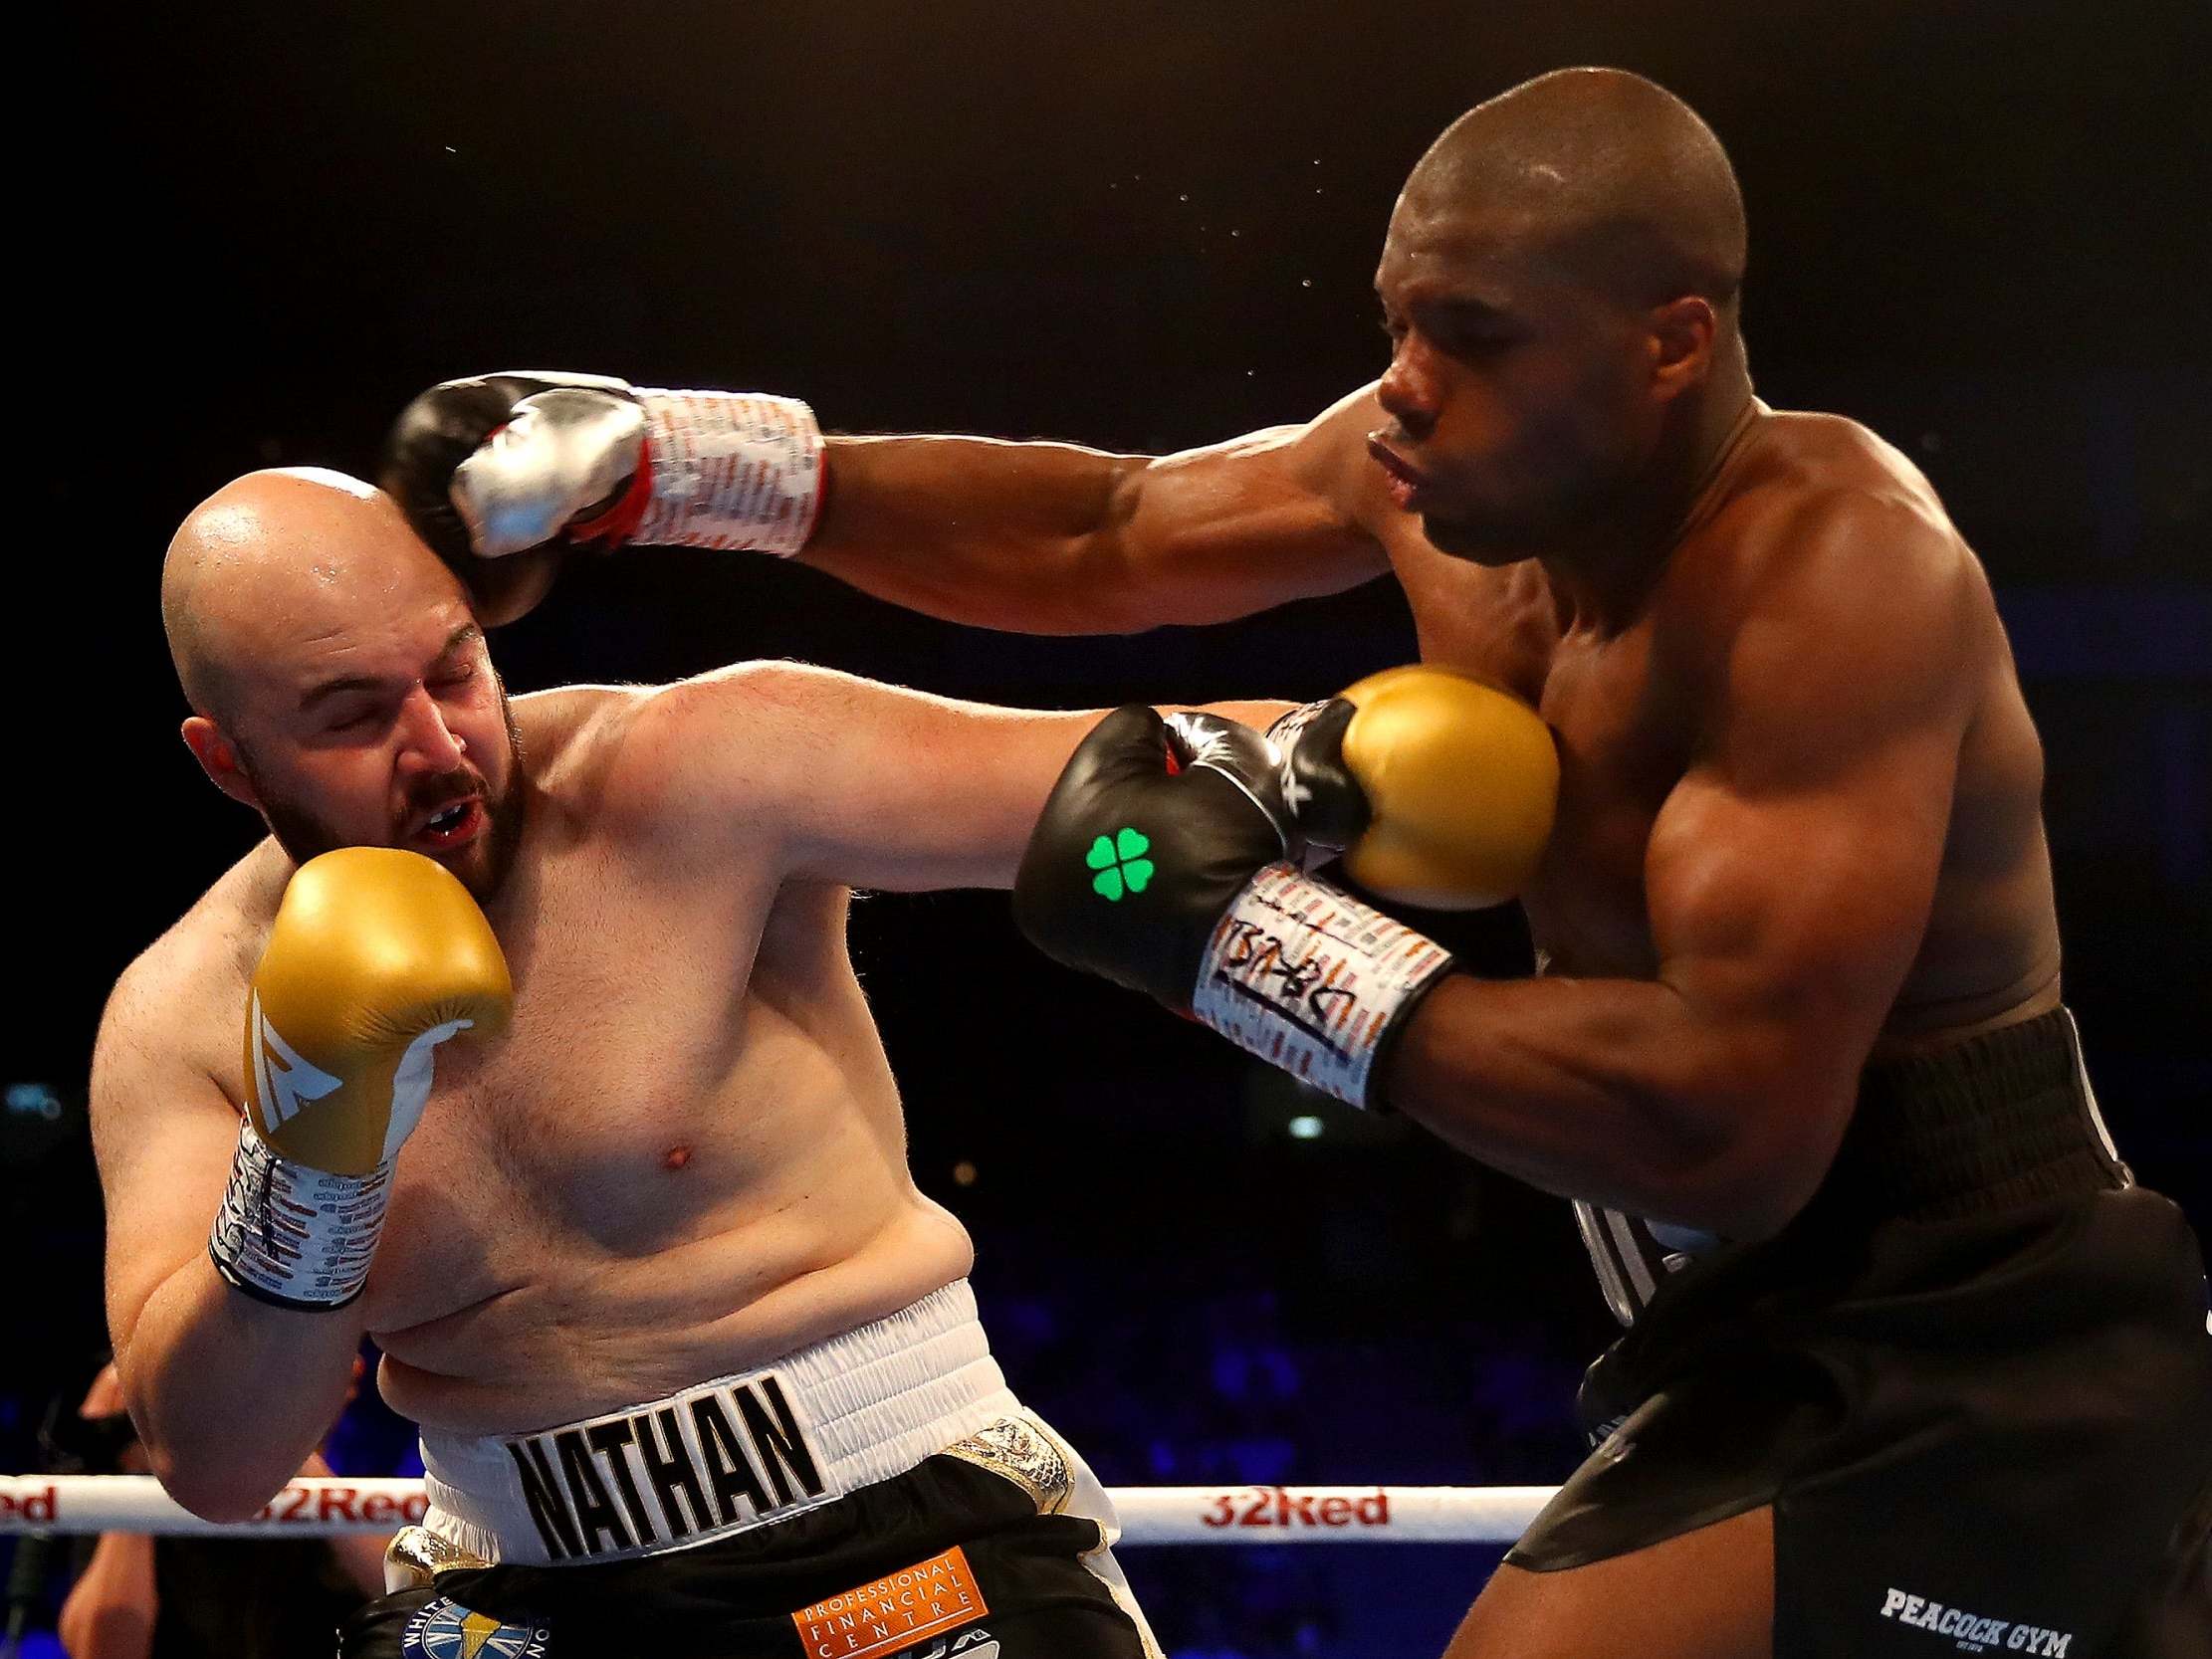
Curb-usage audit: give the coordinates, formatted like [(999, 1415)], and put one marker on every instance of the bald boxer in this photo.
[(1912, 1365), (527, 1044)]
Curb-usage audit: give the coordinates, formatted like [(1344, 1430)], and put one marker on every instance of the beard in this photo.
[(303, 835)]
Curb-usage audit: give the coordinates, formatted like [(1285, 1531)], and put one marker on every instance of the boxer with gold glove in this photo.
[(1165, 860), (377, 956), (1436, 788)]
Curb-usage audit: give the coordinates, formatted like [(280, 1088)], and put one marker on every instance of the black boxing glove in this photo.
[(1152, 829), (1159, 864)]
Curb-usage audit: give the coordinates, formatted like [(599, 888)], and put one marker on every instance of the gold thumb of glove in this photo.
[(377, 956), (1462, 780)]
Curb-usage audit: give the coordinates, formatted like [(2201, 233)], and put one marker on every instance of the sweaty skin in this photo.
[(1813, 571), (1799, 820), (687, 1156), (1799, 814)]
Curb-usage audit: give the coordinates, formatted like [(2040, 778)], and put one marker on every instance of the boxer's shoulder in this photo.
[(214, 945), (1822, 522), (714, 751), (175, 1007), (1798, 469)]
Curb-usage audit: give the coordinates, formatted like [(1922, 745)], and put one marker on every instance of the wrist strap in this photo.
[(731, 470), (1312, 980), (292, 1236)]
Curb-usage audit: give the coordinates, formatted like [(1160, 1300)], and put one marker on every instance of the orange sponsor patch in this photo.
[(894, 1611)]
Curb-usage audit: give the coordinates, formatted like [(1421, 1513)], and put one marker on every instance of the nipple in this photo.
[(675, 1157)]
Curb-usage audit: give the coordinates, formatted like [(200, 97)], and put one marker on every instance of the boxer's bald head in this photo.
[(1562, 265), (1596, 172), (339, 680), (279, 556)]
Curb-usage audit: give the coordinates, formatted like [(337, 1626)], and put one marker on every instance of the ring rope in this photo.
[(1149, 1513)]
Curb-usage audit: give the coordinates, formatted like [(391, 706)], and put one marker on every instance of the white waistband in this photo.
[(726, 1455)]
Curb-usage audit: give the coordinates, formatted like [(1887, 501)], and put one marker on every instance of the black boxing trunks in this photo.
[(1973, 1379), (877, 1494), (247, 1598)]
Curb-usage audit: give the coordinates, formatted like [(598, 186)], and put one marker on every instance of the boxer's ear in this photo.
[(218, 757), (1680, 345)]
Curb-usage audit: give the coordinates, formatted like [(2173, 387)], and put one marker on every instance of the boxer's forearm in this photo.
[(231, 1395), (1618, 1092), (1018, 536), (1042, 538)]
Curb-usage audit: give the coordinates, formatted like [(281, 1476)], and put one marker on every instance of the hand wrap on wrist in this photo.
[(1312, 980), (292, 1236), (731, 470)]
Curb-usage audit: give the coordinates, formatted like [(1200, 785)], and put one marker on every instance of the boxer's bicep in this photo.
[(824, 776), (163, 1133), (925, 792), (1278, 514), (1791, 873)]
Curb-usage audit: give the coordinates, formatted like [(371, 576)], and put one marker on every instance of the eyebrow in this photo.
[(466, 633), (1447, 299)]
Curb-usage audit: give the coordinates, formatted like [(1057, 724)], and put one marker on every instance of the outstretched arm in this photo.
[(828, 778), (1041, 538), (505, 476)]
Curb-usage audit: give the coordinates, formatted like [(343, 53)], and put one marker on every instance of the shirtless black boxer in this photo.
[(1912, 1367)]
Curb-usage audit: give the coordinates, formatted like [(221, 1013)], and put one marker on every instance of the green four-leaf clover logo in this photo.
[(1120, 863)]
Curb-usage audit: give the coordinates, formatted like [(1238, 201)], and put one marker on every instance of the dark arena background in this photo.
[(248, 233)]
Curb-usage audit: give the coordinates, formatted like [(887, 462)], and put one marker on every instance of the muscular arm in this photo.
[(856, 782), (1789, 879), (229, 1394), (1041, 538)]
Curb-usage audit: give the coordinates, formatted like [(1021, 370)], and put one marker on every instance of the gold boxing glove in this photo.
[(1438, 788), (377, 957)]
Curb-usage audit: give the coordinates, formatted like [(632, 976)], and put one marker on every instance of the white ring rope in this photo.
[(1149, 1513)]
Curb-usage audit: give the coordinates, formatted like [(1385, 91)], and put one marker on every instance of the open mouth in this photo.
[(1406, 483), (455, 824)]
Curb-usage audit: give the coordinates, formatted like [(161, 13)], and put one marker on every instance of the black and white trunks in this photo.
[(1973, 1379), (879, 1493)]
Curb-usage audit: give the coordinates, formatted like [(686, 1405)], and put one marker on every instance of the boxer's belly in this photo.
[(584, 1332)]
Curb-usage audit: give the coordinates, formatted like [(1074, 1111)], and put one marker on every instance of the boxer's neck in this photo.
[(1602, 578)]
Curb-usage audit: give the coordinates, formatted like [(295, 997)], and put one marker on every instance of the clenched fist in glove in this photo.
[(504, 474), (377, 957), (1167, 860)]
